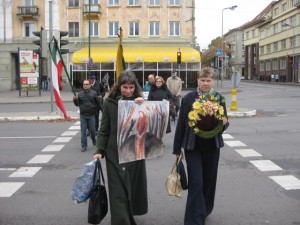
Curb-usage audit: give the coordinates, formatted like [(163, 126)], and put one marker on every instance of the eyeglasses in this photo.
[(86, 84)]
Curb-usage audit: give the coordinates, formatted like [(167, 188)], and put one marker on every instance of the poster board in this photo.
[(141, 129)]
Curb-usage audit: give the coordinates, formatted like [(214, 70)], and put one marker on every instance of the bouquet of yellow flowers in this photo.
[(207, 116)]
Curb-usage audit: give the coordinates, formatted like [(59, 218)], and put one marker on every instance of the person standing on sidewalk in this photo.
[(127, 182), (88, 103), (201, 154), (174, 84)]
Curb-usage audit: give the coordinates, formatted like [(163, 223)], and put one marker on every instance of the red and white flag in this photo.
[(56, 70)]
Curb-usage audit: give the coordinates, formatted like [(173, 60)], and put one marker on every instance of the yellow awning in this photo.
[(133, 54)]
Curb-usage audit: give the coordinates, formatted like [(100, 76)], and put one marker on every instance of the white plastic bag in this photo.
[(83, 183)]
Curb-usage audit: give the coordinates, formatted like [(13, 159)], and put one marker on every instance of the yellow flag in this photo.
[(120, 62)]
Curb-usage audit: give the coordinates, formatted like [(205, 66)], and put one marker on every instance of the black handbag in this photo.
[(181, 172), (98, 204)]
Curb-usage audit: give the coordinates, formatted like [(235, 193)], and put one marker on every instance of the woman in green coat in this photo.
[(127, 182)]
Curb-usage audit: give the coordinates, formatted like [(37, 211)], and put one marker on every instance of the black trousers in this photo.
[(202, 167)]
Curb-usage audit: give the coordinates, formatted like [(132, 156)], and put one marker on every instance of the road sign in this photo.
[(219, 52)]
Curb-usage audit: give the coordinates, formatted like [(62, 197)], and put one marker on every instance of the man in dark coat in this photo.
[(201, 154), (88, 103)]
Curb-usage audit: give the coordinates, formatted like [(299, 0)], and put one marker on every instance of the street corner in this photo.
[(242, 112)]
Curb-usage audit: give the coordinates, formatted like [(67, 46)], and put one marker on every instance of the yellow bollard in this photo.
[(234, 99)]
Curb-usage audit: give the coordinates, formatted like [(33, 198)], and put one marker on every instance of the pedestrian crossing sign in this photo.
[(219, 52)]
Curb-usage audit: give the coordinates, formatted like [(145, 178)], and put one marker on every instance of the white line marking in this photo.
[(7, 189), (53, 148), (36, 137), (77, 123), (227, 136), (7, 169), (41, 159), (69, 133), (248, 153), (235, 143), (74, 128), (265, 165), (25, 172), (62, 139), (288, 182)]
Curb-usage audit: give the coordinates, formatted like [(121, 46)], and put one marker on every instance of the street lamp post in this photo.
[(223, 58)]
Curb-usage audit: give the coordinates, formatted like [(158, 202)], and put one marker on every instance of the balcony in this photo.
[(297, 4), (95, 10), (28, 12)]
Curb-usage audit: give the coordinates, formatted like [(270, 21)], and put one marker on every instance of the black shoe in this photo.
[(83, 149), (94, 141)]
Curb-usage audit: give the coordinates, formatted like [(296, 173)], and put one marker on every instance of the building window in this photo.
[(113, 2), (275, 46), (94, 29), (293, 42), (28, 29), (29, 3), (276, 28), (283, 44), (133, 2), (268, 48), (154, 2), (293, 21), (113, 28), (275, 64), (269, 31), (294, 2), (73, 3), (253, 33), (262, 34), (262, 50), (284, 25), (276, 11), (247, 35), (268, 65), (73, 29), (174, 2), (174, 29), (283, 64), (284, 7), (261, 66), (134, 28), (154, 29)]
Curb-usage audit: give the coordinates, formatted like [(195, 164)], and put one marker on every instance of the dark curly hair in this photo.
[(126, 77)]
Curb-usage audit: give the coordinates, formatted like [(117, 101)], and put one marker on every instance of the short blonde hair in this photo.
[(206, 72)]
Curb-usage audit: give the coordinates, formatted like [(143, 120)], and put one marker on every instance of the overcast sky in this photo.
[(208, 15)]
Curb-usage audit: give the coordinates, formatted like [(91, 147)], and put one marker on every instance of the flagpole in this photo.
[(50, 35)]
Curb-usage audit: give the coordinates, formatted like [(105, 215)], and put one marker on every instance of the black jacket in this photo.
[(99, 88), (88, 102), (184, 136)]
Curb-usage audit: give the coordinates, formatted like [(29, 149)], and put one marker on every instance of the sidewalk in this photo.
[(12, 97)]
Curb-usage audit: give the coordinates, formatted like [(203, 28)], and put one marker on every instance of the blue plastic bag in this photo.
[(83, 183)]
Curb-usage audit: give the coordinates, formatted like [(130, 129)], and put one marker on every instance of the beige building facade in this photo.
[(167, 26)]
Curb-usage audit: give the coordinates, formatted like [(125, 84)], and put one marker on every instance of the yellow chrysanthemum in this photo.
[(191, 123), (196, 105), (193, 115), (212, 97), (221, 110)]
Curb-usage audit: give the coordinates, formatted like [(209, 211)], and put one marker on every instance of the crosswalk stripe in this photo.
[(248, 153), (74, 128), (53, 148), (235, 143), (288, 182), (69, 133), (227, 136), (265, 165), (25, 172), (62, 139), (7, 189), (40, 159)]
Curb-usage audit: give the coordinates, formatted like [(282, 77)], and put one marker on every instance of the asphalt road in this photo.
[(245, 194)]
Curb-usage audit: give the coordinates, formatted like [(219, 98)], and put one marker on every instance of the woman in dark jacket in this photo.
[(201, 154), (160, 91), (127, 182)]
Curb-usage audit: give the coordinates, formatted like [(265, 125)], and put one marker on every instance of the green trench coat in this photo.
[(127, 182)]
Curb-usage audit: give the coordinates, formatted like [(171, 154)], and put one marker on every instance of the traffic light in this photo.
[(220, 61), (63, 42), (178, 57), (42, 42)]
